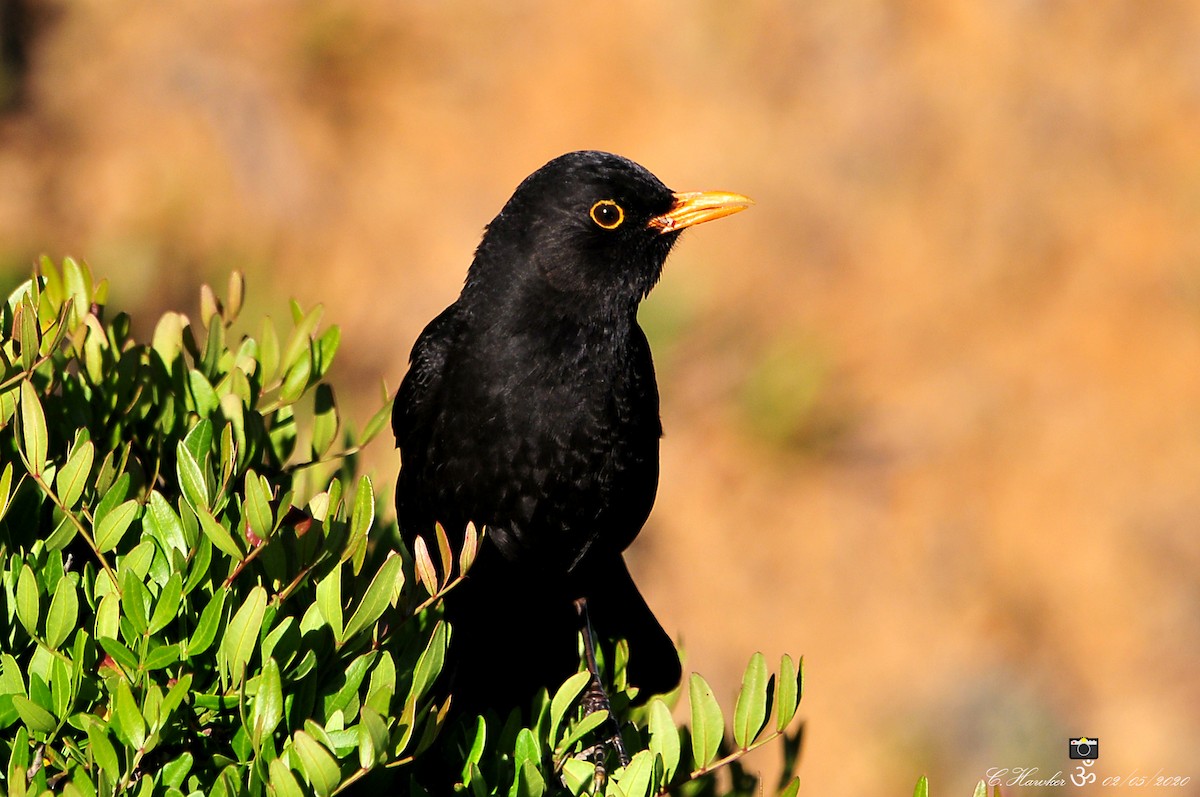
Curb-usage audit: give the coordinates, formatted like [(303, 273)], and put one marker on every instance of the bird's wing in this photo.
[(420, 389)]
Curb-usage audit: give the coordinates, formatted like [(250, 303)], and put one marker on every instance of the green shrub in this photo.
[(198, 596)]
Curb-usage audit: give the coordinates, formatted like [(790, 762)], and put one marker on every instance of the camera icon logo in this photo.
[(1087, 748)]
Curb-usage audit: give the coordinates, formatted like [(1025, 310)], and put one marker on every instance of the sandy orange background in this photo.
[(932, 407)]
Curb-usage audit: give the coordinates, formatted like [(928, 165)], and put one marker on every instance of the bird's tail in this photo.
[(618, 611)]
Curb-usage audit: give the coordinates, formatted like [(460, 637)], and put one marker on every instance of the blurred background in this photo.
[(932, 406)]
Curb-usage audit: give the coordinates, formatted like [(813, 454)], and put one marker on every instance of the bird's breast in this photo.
[(555, 455)]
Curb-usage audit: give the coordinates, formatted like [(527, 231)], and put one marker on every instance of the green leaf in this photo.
[(299, 342), (113, 495), (134, 600), (325, 421), (324, 349), (161, 657), (114, 525), (317, 765), (793, 788), (296, 380), (174, 698), (638, 777), (174, 772), (5, 486), (526, 747), (429, 665), (33, 429), (329, 601), (30, 337), (788, 693), (664, 737), (578, 775), (199, 440), (168, 337), (466, 557), (980, 789), (281, 781), (922, 788), (582, 728), (708, 724), (382, 588), (377, 421), (219, 535), (191, 478), (102, 751), (164, 525), (750, 713), (29, 607), (529, 781), (268, 703), (166, 607), (119, 653), (64, 612), (258, 506), (348, 690), (563, 699), (361, 519), (268, 351), (203, 398), (73, 477), (372, 738), (426, 572), (128, 722), (210, 621), (241, 637), (36, 718)]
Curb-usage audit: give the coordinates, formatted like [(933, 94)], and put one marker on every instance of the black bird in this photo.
[(531, 408)]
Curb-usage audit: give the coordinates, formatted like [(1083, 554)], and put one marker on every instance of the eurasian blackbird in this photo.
[(530, 408)]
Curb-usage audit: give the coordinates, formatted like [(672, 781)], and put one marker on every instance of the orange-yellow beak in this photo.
[(697, 207)]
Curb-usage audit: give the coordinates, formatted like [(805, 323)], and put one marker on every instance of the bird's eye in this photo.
[(607, 214)]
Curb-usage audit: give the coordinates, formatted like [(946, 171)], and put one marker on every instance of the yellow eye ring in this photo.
[(607, 214)]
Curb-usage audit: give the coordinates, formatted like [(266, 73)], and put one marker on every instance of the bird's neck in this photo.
[(527, 305)]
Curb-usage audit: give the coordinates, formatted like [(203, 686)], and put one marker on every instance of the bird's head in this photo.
[(592, 228)]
